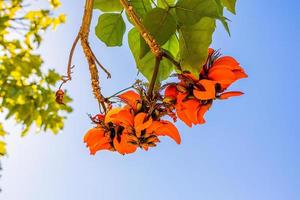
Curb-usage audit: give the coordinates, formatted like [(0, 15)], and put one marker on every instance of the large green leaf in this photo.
[(146, 64), (110, 29), (194, 42), (165, 3), (191, 11), (108, 5), (141, 6), (161, 25), (230, 5)]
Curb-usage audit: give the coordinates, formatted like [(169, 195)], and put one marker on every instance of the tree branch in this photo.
[(149, 39), (84, 35), (154, 46)]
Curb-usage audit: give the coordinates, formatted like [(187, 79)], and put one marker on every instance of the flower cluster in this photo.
[(139, 122), (193, 95)]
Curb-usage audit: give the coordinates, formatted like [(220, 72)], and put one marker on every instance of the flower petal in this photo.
[(139, 123), (123, 118), (123, 146), (227, 95), (103, 144), (168, 129), (210, 90), (171, 91), (93, 134), (131, 98), (110, 113), (227, 60), (191, 108), (201, 112)]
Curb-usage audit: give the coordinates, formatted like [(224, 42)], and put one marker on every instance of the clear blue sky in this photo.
[(247, 150)]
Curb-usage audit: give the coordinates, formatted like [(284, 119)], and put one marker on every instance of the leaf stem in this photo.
[(154, 76)]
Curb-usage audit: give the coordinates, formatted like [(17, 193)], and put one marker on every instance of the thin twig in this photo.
[(100, 65)]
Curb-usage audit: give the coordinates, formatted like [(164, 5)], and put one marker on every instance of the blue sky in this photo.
[(248, 149)]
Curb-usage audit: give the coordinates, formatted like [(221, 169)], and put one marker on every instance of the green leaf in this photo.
[(222, 18), (190, 12), (165, 3), (230, 5), (110, 29), (141, 7), (146, 64), (161, 25), (108, 5), (194, 43)]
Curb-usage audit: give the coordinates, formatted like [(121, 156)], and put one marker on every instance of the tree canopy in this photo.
[(27, 88)]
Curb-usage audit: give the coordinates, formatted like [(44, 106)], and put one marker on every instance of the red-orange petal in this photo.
[(123, 147), (239, 74), (225, 76), (201, 112), (131, 98), (227, 60), (190, 108), (227, 95), (93, 134), (103, 144), (171, 91), (123, 118), (168, 129), (110, 113), (139, 122), (209, 93)]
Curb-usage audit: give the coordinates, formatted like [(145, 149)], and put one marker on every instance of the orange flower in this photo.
[(132, 99), (141, 130), (192, 97), (225, 71), (97, 139), (191, 109)]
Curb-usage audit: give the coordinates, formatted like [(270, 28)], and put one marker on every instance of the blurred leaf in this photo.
[(27, 92), (2, 148)]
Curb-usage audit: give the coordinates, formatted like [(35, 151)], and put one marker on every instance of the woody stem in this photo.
[(84, 35), (150, 40), (154, 76)]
